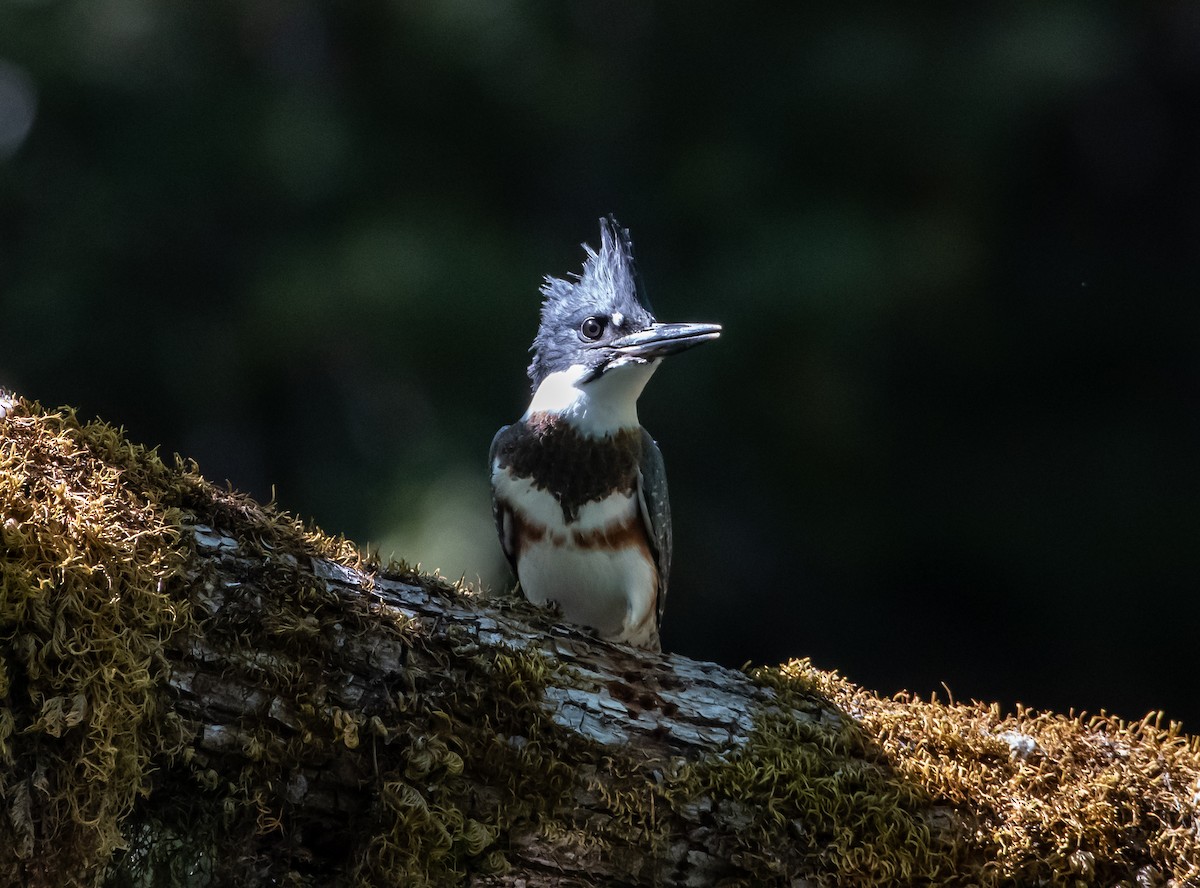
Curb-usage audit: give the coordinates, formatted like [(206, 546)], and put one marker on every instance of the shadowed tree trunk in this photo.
[(195, 689)]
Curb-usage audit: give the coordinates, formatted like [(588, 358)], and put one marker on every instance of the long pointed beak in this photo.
[(665, 339)]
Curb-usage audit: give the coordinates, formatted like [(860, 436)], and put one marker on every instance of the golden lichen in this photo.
[(1039, 798)]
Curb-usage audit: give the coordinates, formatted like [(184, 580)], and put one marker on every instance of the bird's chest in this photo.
[(571, 517)]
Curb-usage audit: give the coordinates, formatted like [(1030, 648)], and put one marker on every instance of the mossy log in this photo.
[(199, 690)]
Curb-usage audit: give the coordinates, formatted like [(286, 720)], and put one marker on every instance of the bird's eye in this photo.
[(591, 328)]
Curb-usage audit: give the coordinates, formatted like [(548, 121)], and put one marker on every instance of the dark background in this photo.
[(950, 434)]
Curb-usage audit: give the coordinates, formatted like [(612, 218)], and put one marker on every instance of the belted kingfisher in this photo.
[(579, 493)]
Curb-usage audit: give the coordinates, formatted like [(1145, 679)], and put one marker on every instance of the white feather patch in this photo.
[(612, 592), (596, 408)]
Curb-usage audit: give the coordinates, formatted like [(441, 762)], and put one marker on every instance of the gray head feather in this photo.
[(607, 287)]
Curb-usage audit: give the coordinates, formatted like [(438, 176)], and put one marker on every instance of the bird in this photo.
[(579, 491)]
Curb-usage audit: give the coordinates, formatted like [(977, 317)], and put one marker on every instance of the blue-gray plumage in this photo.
[(656, 512), (579, 491)]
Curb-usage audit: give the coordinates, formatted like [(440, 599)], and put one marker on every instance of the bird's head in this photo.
[(598, 340)]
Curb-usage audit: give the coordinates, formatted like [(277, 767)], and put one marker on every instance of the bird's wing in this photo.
[(656, 512), (500, 511)]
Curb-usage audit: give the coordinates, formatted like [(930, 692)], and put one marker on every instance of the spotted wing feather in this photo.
[(656, 512), (501, 514)]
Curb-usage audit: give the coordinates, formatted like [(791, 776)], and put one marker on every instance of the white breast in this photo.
[(611, 591)]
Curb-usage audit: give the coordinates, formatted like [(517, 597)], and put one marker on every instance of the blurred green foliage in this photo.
[(950, 433)]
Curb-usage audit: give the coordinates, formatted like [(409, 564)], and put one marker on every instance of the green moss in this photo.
[(91, 559), (1082, 801), (101, 778), (430, 825), (814, 795)]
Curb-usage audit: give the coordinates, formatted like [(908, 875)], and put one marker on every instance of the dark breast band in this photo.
[(573, 468)]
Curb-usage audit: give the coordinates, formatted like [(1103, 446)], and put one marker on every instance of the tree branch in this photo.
[(285, 712)]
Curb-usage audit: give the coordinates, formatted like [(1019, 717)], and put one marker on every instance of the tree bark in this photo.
[(600, 701)]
